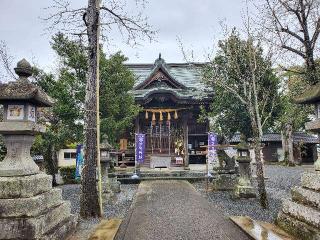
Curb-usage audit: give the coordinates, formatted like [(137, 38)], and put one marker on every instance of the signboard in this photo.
[(79, 161), (212, 141), (31, 113), (15, 112), (140, 147)]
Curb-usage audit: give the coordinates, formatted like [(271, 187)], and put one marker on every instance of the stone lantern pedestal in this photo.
[(300, 215), (244, 188), (29, 207)]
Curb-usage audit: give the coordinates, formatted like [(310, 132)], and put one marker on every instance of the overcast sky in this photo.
[(196, 23)]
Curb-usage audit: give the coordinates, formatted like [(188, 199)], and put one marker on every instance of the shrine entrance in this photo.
[(163, 137), (164, 134)]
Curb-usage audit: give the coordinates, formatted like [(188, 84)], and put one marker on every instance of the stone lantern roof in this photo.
[(310, 96), (243, 145), (23, 89)]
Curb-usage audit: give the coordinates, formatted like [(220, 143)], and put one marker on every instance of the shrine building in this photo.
[(171, 95)]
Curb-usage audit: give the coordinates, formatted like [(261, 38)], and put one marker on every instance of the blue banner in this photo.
[(79, 161), (212, 142), (140, 147)]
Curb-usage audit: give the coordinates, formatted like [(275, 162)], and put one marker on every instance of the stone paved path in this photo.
[(175, 210)]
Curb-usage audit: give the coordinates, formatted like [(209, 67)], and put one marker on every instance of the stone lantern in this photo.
[(300, 215), (105, 160), (312, 97), (20, 100), (244, 188), (29, 207)]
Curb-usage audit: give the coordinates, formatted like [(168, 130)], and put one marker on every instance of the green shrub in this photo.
[(68, 174)]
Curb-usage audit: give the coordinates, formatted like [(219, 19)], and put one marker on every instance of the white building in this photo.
[(66, 157)]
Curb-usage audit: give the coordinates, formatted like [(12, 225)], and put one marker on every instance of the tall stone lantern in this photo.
[(244, 188), (21, 100), (312, 97), (29, 207), (300, 215)]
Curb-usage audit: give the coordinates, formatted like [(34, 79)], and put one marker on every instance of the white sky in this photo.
[(196, 23)]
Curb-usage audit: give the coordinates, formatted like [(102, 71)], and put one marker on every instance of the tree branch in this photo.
[(294, 51)]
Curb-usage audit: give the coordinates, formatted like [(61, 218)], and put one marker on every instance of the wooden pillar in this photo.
[(185, 139), (137, 124)]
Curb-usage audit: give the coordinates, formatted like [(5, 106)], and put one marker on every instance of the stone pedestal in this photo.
[(244, 188), (18, 160), (300, 215), (225, 179), (31, 209)]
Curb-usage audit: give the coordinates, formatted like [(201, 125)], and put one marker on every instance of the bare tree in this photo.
[(90, 21), (295, 25), (6, 61)]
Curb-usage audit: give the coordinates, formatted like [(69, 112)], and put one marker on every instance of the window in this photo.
[(69, 155)]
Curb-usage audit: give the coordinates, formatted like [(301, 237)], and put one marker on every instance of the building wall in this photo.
[(272, 152), (66, 157)]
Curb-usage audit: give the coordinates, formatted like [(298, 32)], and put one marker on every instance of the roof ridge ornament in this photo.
[(159, 62)]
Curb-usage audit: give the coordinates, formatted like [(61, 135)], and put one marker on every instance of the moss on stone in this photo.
[(297, 228)]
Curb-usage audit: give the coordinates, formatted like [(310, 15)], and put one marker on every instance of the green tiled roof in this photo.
[(188, 75)]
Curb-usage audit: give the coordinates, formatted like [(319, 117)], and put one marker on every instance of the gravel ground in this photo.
[(279, 182), (116, 206)]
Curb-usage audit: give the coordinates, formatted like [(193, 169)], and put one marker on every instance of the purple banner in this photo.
[(140, 147), (212, 142)]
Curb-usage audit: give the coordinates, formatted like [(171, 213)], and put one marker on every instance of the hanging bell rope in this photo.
[(161, 117), (175, 115), (153, 117), (147, 115), (169, 116)]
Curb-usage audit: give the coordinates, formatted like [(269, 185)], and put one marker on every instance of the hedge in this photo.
[(68, 174)]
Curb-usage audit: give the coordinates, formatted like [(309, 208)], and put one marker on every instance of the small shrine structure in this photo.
[(172, 95)]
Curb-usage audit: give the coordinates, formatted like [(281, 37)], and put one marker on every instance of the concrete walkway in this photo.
[(175, 210)]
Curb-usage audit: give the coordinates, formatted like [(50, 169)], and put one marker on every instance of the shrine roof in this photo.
[(186, 94), (186, 78), (276, 137)]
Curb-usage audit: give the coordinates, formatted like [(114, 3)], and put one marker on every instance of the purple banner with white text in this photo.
[(212, 142), (140, 147)]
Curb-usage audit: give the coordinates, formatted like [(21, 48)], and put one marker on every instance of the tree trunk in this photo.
[(290, 145), (89, 200), (284, 146), (51, 162), (54, 158), (259, 164)]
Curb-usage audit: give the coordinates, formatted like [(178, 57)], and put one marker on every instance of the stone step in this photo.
[(106, 230), (33, 228), (259, 230), (63, 230), (297, 228), (301, 212), (306, 197), (311, 180), (30, 207)]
